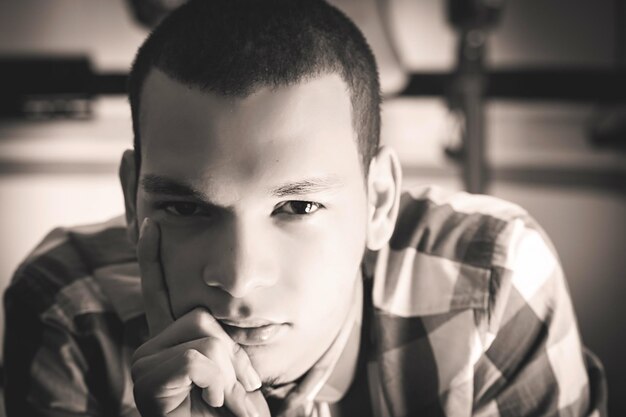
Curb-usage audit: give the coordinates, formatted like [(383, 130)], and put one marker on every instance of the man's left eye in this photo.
[(300, 208)]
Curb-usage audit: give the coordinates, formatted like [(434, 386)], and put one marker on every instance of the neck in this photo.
[(331, 376)]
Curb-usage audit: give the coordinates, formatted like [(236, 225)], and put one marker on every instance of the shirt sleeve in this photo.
[(533, 362), (45, 369)]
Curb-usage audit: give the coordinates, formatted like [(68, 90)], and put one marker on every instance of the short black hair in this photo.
[(233, 47)]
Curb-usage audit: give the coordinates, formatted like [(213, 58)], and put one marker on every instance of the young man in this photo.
[(274, 267)]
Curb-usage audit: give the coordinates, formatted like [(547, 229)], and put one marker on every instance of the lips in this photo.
[(253, 332)]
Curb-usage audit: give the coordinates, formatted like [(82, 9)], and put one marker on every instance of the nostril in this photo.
[(244, 311), (234, 286), (238, 278)]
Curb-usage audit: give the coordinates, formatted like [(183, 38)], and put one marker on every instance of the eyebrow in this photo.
[(307, 186), (157, 184)]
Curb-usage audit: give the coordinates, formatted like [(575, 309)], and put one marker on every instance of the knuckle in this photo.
[(189, 357), (195, 317), (236, 389), (202, 319), (211, 348)]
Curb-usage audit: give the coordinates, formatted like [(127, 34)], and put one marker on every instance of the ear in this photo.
[(383, 193), (128, 178)]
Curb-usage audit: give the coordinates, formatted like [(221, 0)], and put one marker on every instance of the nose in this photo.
[(245, 262)]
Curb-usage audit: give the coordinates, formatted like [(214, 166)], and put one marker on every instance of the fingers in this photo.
[(199, 330), (193, 350), (196, 324), (259, 404), (165, 387), (238, 403), (209, 348), (154, 290), (244, 370), (231, 368)]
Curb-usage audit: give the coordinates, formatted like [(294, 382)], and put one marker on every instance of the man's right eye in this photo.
[(182, 208)]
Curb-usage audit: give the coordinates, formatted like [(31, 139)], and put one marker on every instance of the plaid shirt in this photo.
[(466, 313)]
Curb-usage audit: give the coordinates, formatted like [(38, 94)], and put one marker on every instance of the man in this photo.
[(279, 270)]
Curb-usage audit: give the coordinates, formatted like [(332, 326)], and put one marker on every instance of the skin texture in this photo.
[(189, 366), (261, 212)]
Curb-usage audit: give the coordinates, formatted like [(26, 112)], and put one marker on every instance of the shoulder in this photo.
[(456, 226), (471, 289), (56, 280), (65, 347), (448, 250)]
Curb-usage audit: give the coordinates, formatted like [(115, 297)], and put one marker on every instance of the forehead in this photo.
[(288, 131)]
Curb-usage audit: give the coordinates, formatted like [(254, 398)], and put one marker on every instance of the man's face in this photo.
[(263, 213)]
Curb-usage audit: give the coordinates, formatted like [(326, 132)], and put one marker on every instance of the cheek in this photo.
[(327, 268), (182, 258)]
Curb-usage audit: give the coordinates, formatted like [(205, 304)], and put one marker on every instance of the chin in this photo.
[(274, 365), (288, 358), (268, 363)]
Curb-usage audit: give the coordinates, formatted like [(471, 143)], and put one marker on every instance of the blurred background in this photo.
[(521, 99)]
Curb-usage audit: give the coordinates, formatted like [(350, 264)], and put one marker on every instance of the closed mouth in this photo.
[(244, 324), (253, 332)]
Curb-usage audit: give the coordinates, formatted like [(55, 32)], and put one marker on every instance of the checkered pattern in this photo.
[(473, 315), (468, 315)]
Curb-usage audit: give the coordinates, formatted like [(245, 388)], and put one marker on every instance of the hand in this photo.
[(189, 366)]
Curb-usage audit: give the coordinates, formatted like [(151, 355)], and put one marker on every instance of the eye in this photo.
[(182, 208), (300, 208)]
